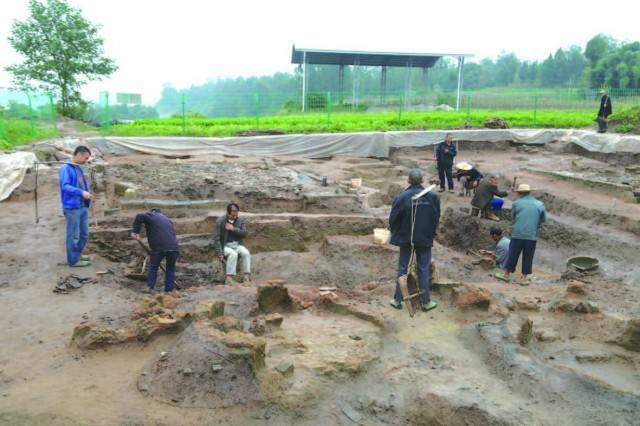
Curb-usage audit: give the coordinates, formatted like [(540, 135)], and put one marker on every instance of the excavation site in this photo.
[(311, 338)]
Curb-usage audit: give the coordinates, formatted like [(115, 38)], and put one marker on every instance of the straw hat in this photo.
[(602, 91), (523, 187), (464, 166)]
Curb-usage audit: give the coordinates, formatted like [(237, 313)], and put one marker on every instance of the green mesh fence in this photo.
[(25, 116)]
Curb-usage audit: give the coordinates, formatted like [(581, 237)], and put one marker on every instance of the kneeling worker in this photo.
[(481, 202), (502, 247), (231, 230), (413, 225), (162, 243)]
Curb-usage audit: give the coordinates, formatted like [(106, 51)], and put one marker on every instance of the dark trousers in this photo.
[(527, 248), (443, 170), (602, 124), (423, 259), (170, 265)]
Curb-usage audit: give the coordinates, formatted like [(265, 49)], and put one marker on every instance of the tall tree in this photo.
[(62, 51), (598, 47)]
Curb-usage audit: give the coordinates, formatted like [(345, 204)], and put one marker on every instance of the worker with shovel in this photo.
[(163, 245), (76, 200), (413, 222)]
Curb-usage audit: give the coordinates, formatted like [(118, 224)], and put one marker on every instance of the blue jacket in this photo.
[(160, 232), (426, 219), (71, 187), (445, 154), (527, 214)]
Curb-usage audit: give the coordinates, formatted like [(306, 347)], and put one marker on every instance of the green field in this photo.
[(351, 122), (18, 132)]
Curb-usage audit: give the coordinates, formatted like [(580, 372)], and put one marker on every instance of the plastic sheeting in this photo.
[(376, 144), (13, 167)]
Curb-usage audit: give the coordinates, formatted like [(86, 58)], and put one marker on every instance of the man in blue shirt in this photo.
[(162, 243), (445, 153), (76, 199), (413, 222), (502, 246), (527, 214)]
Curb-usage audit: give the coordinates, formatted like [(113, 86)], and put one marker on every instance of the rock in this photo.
[(164, 356), (120, 188), (527, 304), (576, 287), (495, 123), (547, 335), (352, 414), (274, 319), (593, 357), (227, 323), (630, 338), (91, 336), (274, 297), (354, 337), (562, 305), (187, 372), (285, 368), (471, 296), (216, 367), (210, 310), (526, 331), (169, 302), (588, 307), (130, 193)]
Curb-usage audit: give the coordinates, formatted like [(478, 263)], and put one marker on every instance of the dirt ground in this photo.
[(564, 350)]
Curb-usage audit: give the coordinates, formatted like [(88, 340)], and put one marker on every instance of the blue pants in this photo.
[(170, 265), (77, 232), (527, 248), (445, 170), (423, 258)]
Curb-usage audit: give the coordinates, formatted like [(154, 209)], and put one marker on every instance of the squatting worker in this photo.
[(427, 216), (469, 175), (76, 199), (502, 247), (481, 202), (231, 230), (604, 112), (445, 153), (163, 244), (527, 214)]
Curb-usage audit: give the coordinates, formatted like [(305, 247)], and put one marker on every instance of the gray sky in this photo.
[(190, 41)]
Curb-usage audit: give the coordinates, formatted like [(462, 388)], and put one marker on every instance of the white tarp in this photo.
[(13, 167), (373, 144)]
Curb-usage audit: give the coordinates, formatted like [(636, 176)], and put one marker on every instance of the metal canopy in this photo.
[(373, 59)]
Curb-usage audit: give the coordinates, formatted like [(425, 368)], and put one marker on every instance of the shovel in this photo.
[(146, 249)]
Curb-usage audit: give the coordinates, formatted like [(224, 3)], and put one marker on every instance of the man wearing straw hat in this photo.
[(469, 176), (527, 214), (604, 112)]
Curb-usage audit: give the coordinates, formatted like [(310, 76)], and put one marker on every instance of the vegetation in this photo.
[(627, 120), (355, 122), (16, 132), (62, 51)]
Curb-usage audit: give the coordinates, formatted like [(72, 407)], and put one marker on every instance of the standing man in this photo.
[(413, 223), (502, 247), (445, 153), (76, 199), (231, 230), (604, 112), (481, 202), (162, 243), (527, 214)]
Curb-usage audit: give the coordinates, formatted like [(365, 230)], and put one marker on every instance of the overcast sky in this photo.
[(190, 41)]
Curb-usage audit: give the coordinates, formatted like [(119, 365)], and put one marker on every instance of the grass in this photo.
[(19, 132), (350, 122), (627, 120)]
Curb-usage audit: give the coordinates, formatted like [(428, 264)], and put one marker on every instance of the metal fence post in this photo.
[(401, 103), (257, 103), (468, 108), (328, 108), (535, 109), (184, 115)]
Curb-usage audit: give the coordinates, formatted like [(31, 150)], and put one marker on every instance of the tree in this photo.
[(598, 47), (62, 51)]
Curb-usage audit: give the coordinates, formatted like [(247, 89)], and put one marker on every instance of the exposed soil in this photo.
[(312, 340)]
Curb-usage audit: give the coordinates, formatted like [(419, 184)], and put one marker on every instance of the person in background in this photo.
[(231, 230), (445, 153), (527, 214), (469, 176), (604, 112), (481, 202), (162, 243), (415, 234), (76, 200), (502, 247)]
